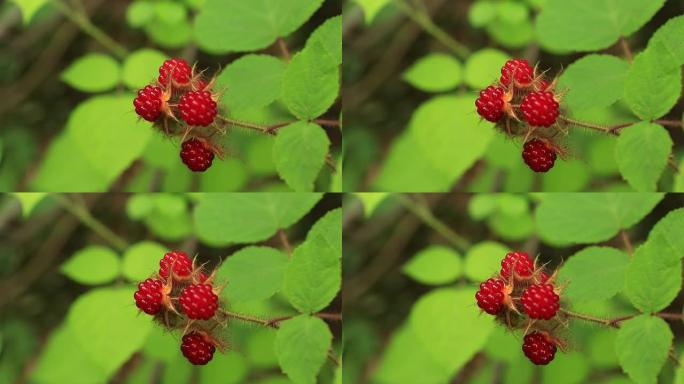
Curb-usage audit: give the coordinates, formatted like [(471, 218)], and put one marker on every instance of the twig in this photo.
[(84, 216), (283, 49), (284, 240), (425, 214), (330, 123), (625, 49), (627, 242)]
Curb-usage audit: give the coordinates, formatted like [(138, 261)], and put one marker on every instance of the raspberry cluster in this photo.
[(523, 296), (523, 103), (181, 296), (181, 103)]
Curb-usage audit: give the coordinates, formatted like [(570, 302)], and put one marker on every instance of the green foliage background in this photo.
[(412, 265)]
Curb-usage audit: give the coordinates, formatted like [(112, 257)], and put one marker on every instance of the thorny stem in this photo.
[(421, 18), (84, 216), (425, 214), (83, 22), (615, 323)]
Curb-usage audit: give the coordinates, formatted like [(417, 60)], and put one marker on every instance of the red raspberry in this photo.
[(519, 262), (517, 69), (197, 108), (540, 109), (543, 84), (149, 296), (182, 265), (538, 155), (490, 104), (178, 68), (196, 155), (543, 277), (197, 348), (148, 103), (540, 301), (199, 301), (201, 85), (491, 296), (539, 348)]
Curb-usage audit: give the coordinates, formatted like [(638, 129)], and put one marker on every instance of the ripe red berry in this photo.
[(148, 103), (199, 301), (196, 155), (179, 70), (197, 108), (539, 348), (543, 277), (540, 109), (538, 155), (517, 69), (491, 296), (518, 262), (149, 296), (490, 103), (540, 301), (197, 348), (182, 265)]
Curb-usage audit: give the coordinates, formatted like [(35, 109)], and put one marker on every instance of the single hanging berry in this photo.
[(540, 109), (539, 155), (490, 297), (519, 263), (490, 103), (519, 70), (540, 301), (196, 155), (149, 296), (197, 108), (182, 265), (197, 348), (178, 69), (148, 103), (199, 301), (539, 348)]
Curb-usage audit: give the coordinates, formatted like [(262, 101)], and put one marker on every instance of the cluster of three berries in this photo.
[(198, 301), (196, 104), (539, 300), (539, 107)]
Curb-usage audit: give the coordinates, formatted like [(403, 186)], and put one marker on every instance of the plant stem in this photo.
[(425, 214), (421, 18), (330, 123), (627, 242), (283, 49), (625, 49), (284, 240), (615, 323), (83, 215), (83, 22)]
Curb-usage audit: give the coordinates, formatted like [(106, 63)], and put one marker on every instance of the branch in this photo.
[(615, 322), (83, 215), (425, 214)]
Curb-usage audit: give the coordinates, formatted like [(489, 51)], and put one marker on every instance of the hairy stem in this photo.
[(84, 216), (425, 214), (615, 322), (79, 18)]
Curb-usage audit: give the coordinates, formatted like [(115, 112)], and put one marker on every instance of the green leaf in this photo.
[(668, 36), (302, 345), (512, 35), (435, 72), (371, 8), (594, 81), (434, 265), (139, 13), (668, 230), (61, 357), (370, 201), (141, 260), (311, 84), (141, 67), (444, 123), (169, 12), (224, 176), (314, 275), (224, 218), (481, 13), (511, 11), (170, 35), (602, 21), (29, 8), (484, 67), (327, 40), (444, 315), (484, 259), (252, 81), (642, 152), (238, 26), (652, 86), (93, 265), (93, 72), (161, 345), (594, 273), (654, 276), (108, 133), (105, 324), (253, 273), (229, 368), (299, 154), (643, 333), (562, 218), (29, 201), (567, 368), (406, 360)]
